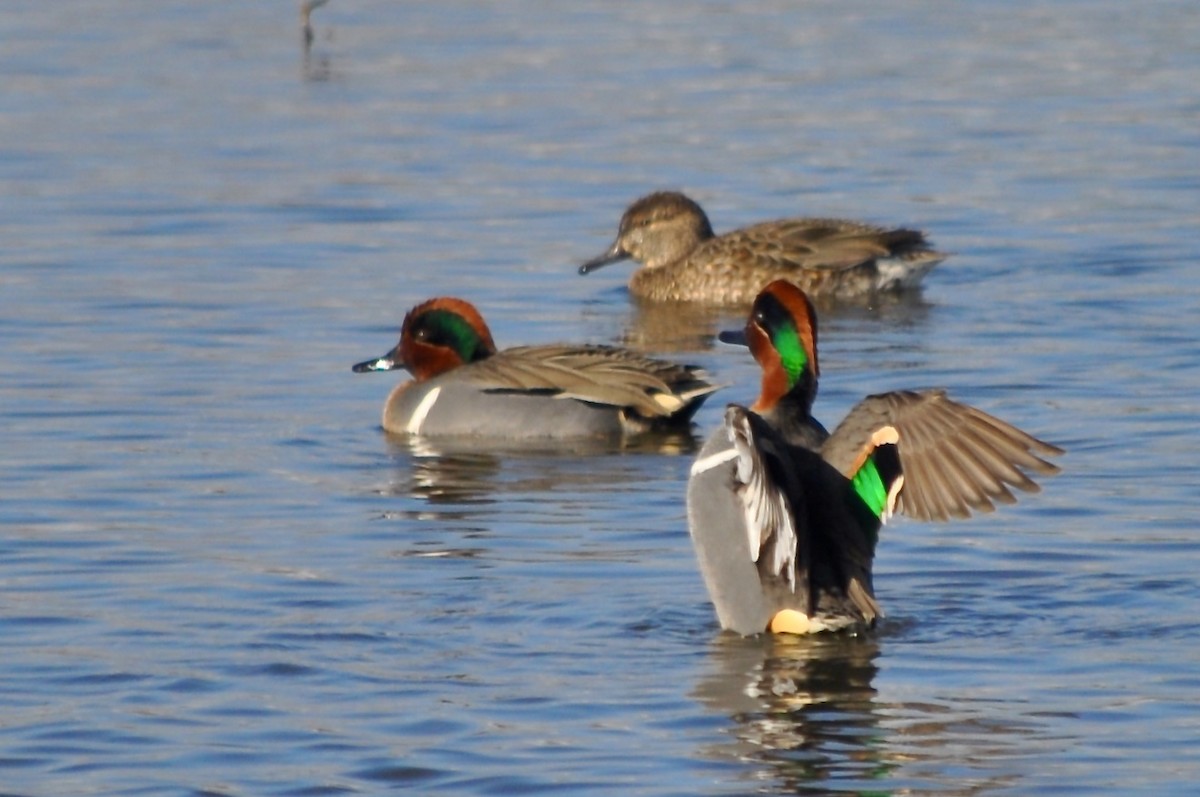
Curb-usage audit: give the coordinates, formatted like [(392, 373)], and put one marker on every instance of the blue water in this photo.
[(218, 576)]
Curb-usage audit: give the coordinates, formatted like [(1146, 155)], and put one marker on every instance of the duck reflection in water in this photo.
[(450, 471), (803, 707), (440, 475), (673, 327), (805, 712), (686, 327)]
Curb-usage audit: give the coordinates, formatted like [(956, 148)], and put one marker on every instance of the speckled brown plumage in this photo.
[(682, 260)]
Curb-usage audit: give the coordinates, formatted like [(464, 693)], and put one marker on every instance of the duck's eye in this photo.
[(421, 334), (645, 222)]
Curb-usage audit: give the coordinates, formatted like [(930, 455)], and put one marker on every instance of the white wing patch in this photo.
[(417, 419), (767, 513), (712, 461), (888, 436), (893, 493)]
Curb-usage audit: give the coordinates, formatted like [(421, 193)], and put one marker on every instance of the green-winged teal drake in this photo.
[(682, 260), (784, 516), (463, 386)]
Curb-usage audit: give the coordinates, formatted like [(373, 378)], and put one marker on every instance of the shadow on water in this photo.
[(802, 708)]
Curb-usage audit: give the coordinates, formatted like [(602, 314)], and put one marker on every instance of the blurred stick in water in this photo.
[(306, 9)]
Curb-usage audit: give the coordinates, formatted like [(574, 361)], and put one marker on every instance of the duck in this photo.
[(682, 260), (784, 516), (463, 386)]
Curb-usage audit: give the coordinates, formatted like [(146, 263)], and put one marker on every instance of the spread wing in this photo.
[(931, 458)]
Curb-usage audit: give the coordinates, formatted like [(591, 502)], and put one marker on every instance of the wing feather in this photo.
[(770, 521), (599, 374), (954, 458)]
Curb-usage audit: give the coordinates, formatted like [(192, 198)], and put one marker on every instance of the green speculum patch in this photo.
[(870, 487)]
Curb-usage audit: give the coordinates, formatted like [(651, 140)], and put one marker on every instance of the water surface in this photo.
[(220, 576)]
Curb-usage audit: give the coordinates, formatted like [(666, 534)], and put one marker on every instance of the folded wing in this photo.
[(600, 374)]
